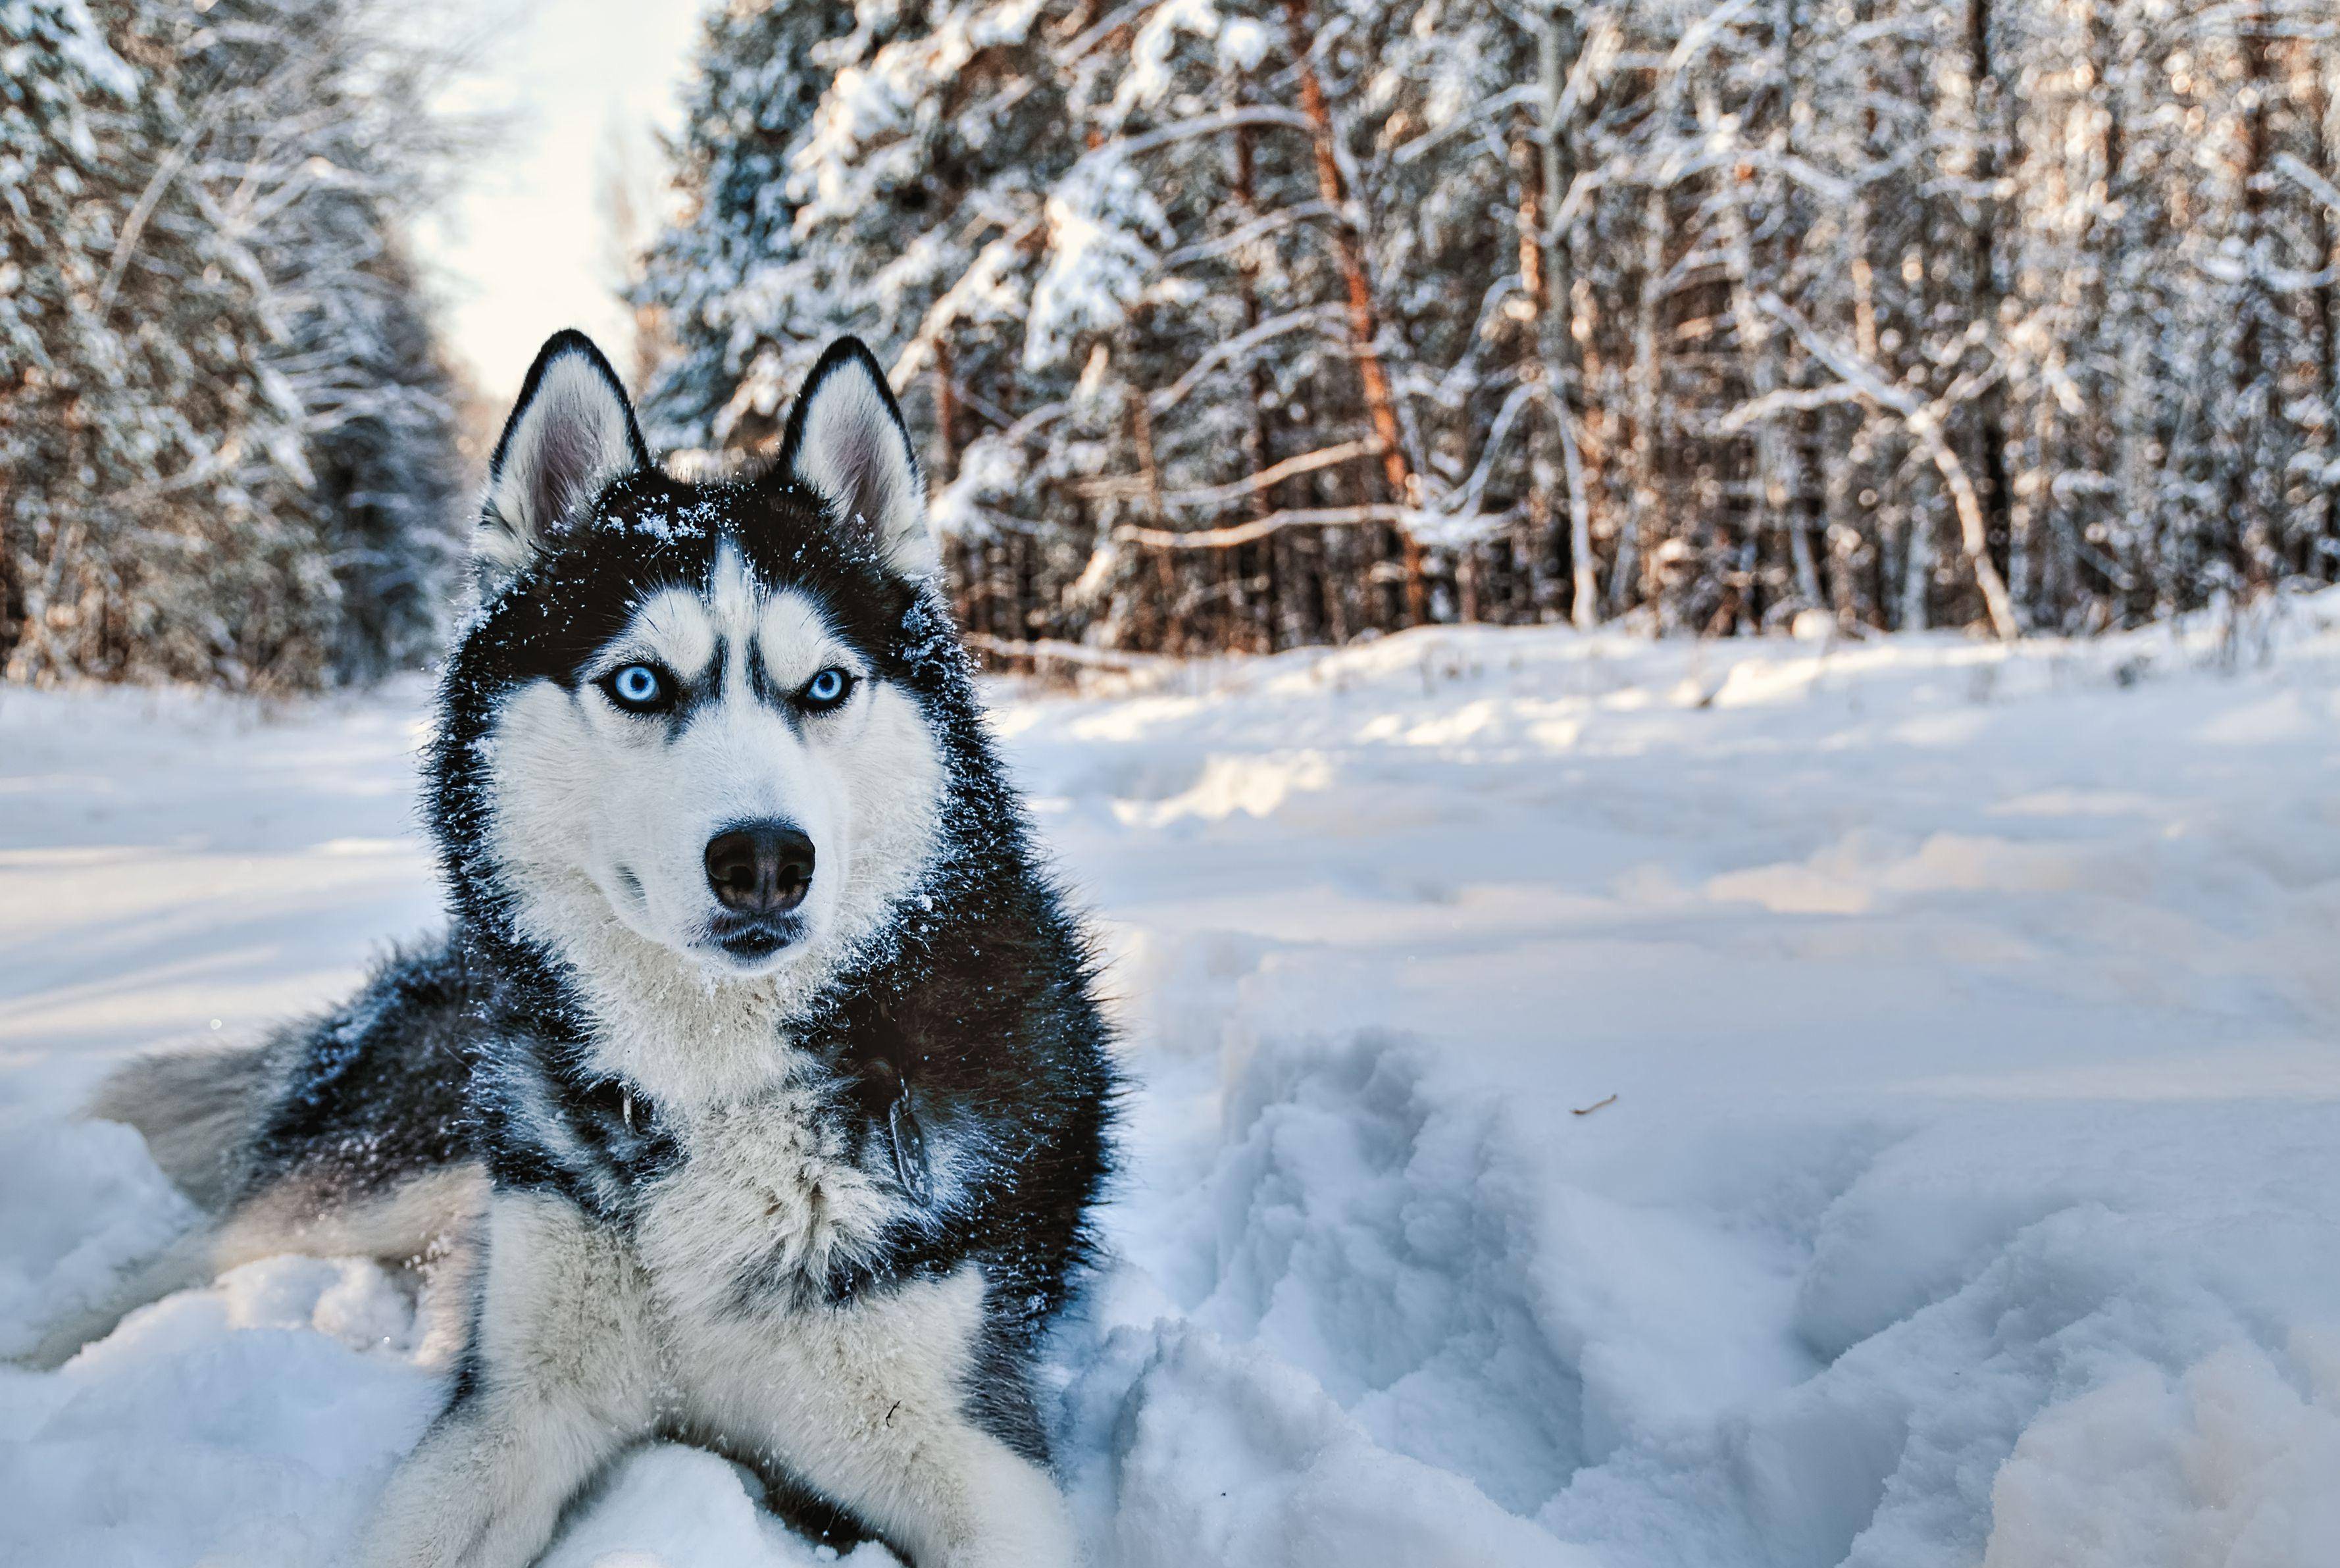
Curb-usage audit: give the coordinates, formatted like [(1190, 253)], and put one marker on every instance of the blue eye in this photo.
[(640, 688), (828, 688)]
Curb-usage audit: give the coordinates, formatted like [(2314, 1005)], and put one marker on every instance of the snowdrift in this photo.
[(1603, 1103)]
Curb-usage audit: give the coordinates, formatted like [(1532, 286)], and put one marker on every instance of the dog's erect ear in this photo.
[(571, 432), (847, 439)]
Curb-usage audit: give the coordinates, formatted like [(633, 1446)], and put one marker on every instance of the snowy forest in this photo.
[(1236, 326), (229, 439), (1229, 326)]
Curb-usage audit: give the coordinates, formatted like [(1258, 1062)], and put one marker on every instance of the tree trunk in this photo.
[(2254, 400), (2325, 138), (1543, 472), (1992, 494), (1263, 501), (1648, 399), (1917, 572), (1556, 54), (12, 581), (1364, 326), (945, 415)]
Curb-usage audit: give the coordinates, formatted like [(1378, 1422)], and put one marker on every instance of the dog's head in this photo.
[(690, 732)]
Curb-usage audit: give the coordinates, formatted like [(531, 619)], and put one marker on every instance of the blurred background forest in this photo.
[(1227, 325)]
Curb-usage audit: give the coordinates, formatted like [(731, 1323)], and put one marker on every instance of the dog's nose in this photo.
[(759, 868)]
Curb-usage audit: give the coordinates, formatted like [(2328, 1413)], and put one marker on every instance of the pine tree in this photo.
[(729, 282)]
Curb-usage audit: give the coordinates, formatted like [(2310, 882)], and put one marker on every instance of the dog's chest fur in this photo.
[(765, 1206)]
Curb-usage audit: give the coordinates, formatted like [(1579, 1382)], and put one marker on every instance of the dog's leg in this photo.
[(866, 1404), (564, 1375)]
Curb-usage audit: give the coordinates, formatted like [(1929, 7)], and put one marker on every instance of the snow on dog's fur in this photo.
[(759, 1095)]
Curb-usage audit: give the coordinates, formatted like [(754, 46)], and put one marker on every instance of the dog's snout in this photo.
[(759, 868)]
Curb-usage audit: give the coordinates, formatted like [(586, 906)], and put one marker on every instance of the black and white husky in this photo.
[(760, 1092)]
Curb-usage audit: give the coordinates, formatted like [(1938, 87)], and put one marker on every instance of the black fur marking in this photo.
[(999, 1392), (760, 681), (698, 693), (465, 1385), (706, 689)]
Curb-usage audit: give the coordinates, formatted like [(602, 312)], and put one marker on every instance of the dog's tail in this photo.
[(197, 1110)]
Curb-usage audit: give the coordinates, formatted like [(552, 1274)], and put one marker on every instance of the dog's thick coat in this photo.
[(807, 1182)]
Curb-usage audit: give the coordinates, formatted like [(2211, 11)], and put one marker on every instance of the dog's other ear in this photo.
[(571, 432), (846, 439)]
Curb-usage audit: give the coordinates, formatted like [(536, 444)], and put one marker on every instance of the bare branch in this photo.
[(1260, 527), (1124, 486), (1240, 344)]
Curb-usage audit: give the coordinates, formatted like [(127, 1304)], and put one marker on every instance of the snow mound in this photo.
[(79, 1203), (1226, 1454)]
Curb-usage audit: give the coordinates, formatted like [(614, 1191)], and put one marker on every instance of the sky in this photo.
[(577, 88)]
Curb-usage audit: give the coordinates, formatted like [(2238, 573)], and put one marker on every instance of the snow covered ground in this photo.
[(1605, 1103)]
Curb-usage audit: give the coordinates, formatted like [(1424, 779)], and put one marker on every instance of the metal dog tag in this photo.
[(910, 1149)]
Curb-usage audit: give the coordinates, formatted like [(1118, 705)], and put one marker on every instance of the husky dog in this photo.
[(759, 1093)]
